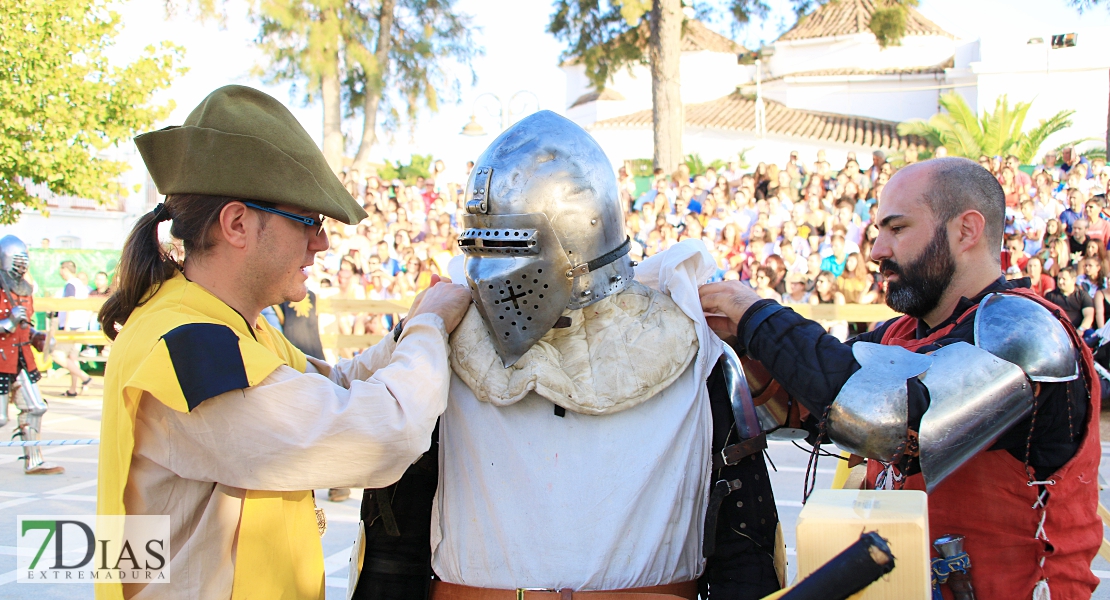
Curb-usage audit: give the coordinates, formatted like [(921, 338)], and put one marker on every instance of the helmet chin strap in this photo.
[(601, 261)]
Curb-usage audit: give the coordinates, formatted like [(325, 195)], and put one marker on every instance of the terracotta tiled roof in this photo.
[(602, 95), (846, 71), (842, 17), (737, 113), (698, 38)]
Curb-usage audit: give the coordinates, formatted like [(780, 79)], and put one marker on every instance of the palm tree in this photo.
[(997, 133)]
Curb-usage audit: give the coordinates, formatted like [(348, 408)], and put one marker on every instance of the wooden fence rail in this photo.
[(862, 313)]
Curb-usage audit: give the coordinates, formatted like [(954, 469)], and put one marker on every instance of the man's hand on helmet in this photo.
[(446, 299)]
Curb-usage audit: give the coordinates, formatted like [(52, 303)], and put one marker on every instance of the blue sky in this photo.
[(519, 55)]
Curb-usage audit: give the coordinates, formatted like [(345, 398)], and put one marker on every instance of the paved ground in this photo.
[(75, 493)]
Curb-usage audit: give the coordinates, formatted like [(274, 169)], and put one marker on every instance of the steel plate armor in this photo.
[(976, 392), (13, 256), (974, 398), (1020, 331), (18, 374), (870, 415), (543, 230)]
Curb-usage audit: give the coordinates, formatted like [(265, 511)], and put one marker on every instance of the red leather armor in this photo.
[(11, 344)]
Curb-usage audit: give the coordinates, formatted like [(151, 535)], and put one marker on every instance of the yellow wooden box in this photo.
[(832, 520)]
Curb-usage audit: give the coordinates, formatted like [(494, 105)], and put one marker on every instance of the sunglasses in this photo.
[(309, 222)]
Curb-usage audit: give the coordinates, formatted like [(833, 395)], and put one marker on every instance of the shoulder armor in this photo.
[(1021, 331), (870, 414), (975, 396), (207, 361)]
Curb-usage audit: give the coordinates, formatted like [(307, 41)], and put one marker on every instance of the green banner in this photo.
[(45, 266)]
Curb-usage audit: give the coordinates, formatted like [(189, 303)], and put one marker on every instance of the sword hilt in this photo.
[(951, 546)]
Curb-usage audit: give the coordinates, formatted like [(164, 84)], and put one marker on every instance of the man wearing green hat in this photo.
[(210, 415)]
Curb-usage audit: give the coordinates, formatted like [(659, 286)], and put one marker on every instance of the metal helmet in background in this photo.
[(13, 256), (543, 230)]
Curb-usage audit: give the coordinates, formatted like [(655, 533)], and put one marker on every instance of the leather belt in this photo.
[(688, 590), (732, 455)]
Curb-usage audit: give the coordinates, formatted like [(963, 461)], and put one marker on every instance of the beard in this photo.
[(922, 282)]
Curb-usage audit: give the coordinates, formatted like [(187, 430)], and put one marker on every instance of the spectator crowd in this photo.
[(799, 232)]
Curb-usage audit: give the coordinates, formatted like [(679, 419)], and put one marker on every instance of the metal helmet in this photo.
[(543, 230), (13, 256)]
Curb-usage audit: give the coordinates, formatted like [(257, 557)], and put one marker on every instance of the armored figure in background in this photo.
[(18, 374)]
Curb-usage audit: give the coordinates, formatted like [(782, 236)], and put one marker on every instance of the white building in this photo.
[(827, 84), (709, 70), (830, 61)]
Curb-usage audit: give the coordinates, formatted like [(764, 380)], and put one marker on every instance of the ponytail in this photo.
[(145, 265)]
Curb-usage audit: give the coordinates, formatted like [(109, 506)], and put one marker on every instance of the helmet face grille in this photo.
[(19, 263), (517, 303), (13, 256), (516, 270), (518, 299)]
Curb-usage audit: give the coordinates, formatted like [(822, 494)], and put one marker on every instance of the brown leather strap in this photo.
[(771, 389), (733, 454), (687, 590)]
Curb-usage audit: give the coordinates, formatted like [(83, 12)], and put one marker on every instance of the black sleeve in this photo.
[(1085, 299), (808, 362)]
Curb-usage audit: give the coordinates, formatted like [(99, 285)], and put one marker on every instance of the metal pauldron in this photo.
[(975, 396), (1020, 331), (740, 395)]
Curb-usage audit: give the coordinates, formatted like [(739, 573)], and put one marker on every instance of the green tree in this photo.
[(888, 22), (698, 166), (606, 37), (62, 104), (427, 46), (420, 165), (995, 133), (334, 50), (624, 33), (303, 41)]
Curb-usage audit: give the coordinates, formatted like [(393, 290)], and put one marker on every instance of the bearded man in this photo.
[(982, 394)]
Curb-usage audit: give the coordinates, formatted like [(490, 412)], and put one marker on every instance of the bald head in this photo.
[(953, 185)]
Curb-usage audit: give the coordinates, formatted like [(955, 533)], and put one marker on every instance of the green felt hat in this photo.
[(242, 143)]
